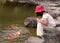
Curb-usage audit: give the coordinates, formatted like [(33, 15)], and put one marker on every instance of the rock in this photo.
[(54, 11), (52, 8), (58, 28), (11, 33), (52, 37), (35, 2), (57, 23), (58, 18), (48, 38), (30, 2), (30, 22), (34, 40)]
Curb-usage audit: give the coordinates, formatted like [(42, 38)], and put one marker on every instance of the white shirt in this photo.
[(51, 21)]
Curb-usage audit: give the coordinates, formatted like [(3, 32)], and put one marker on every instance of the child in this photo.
[(44, 20)]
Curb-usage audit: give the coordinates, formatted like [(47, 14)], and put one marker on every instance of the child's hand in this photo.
[(38, 19)]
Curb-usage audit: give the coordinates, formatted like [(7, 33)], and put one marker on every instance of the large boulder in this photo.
[(35, 2), (57, 23), (30, 2), (58, 18), (49, 37), (30, 22), (58, 28), (52, 37), (54, 11), (34, 40), (52, 7)]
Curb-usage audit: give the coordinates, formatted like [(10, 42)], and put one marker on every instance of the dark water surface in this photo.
[(14, 15)]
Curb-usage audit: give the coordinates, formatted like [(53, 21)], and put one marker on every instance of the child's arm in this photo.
[(44, 21)]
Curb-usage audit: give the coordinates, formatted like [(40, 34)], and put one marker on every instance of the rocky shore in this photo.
[(54, 9)]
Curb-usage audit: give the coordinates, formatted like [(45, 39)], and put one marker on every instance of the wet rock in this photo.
[(58, 18), (35, 2), (58, 28), (57, 23), (30, 2), (34, 40), (54, 11), (52, 37), (14, 34), (30, 22), (53, 8)]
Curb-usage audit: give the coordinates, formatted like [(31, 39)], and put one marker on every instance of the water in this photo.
[(15, 15), (18, 38)]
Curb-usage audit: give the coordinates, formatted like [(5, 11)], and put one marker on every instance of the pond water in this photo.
[(15, 15)]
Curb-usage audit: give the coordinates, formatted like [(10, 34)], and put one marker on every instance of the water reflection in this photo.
[(15, 14)]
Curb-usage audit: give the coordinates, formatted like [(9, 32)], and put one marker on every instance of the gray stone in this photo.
[(24, 35), (58, 28), (57, 23), (30, 22), (35, 2), (58, 18), (52, 37), (34, 40), (54, 11)]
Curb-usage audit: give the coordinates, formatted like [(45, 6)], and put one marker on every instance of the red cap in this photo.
[(39, 8)]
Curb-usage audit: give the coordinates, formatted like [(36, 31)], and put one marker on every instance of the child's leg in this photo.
[(39, 29), (49, 28)]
